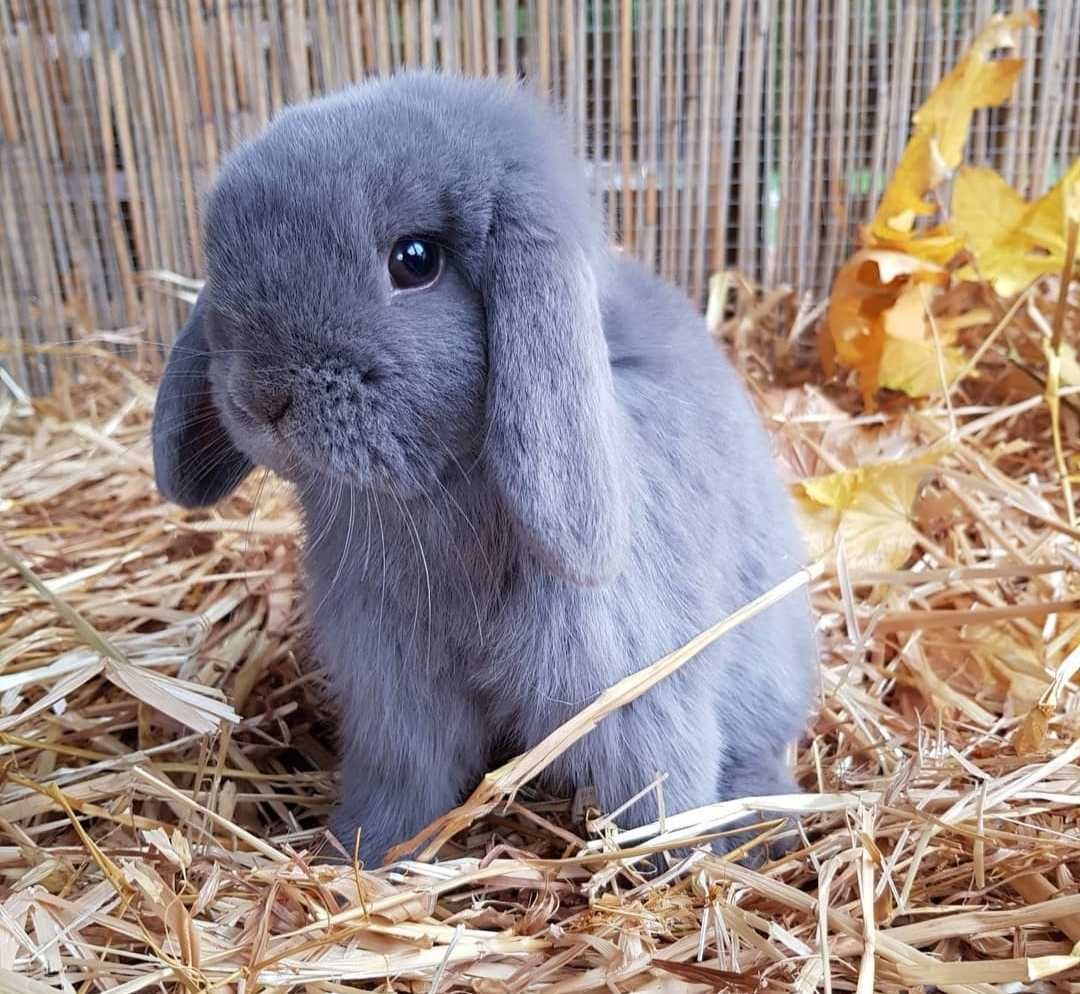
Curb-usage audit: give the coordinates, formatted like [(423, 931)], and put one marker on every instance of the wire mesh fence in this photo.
[(742, 135)]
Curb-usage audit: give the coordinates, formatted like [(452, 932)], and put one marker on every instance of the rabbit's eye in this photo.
[(414, 263)]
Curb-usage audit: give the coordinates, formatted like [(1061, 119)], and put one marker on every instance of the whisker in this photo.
[(403, 506), (254, 513), (465, 572), (382, 539), (348, 542)]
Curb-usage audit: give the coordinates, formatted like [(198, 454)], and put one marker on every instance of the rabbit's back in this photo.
[(715, 514), (694, 433)]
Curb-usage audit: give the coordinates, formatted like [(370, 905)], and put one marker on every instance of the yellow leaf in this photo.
[(817, 523), (940, 132), (1072, 194), (936, 245), (915, 367), (877, 318), (1013, 242), (909, 359), (984, 207), (1044, 221), (903, 199), (839, 490), (906, 319), (855, 334), (974, 83), (995, 80), (869, 508), (893, 265)]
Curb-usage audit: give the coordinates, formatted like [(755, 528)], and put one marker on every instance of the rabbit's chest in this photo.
[(548, 644)]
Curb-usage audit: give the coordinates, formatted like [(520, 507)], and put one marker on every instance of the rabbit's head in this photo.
[(403, 281)]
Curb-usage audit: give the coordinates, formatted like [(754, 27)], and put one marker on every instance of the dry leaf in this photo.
[(878, 326), (911, 361), (716, 979), (179, 923), (16, 983), (1002, 971), (175, 848), (200, 708), (869, 509), (940, 132), (1030, 737), (1016, 661), (1013, 242), (883, 907), (917, 369)]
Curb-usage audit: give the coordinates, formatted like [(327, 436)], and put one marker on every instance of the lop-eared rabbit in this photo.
[(525, 470)]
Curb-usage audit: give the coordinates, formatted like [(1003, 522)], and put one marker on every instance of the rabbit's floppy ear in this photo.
[(195, 462), (553, 446)]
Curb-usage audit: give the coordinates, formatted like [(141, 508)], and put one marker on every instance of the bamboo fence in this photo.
[(719, 135)]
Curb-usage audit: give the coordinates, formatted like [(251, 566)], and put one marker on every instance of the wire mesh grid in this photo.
[(753, 136)]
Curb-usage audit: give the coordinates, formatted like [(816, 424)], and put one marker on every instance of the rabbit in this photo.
[(524, 468)]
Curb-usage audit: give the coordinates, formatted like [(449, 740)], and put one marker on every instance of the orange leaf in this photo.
[(875, 302)]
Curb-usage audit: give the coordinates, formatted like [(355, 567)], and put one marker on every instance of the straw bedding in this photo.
[(168, 749)]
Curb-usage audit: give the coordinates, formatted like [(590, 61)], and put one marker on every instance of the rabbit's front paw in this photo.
[(375, 833), (760, 780)]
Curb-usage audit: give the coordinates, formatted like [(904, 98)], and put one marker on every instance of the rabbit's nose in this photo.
[(269, 405), (277, 405)]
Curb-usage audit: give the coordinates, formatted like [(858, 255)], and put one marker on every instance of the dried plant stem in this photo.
[(1072, 233)]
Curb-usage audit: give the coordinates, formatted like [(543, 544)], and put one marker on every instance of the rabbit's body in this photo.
[(505, 652), (499, 526)]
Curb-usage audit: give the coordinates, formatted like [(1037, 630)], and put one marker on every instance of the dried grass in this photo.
[(167, 753)]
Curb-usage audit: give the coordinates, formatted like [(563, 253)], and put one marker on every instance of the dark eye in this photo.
[(414, 263)]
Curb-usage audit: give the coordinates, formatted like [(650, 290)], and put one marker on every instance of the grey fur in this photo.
[(519, 485)]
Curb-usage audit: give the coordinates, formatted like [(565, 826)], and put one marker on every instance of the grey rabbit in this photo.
[(525, 470)]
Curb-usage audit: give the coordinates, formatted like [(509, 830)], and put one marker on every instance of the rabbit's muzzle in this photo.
[(324, 417)]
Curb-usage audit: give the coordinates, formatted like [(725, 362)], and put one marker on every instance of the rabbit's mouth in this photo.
[(264, 443), (387, 470)]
